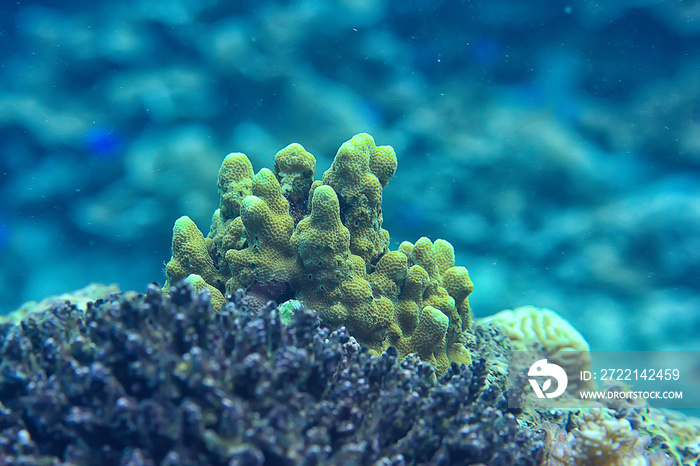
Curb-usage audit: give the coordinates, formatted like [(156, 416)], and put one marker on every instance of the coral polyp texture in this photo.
[(161, 380), (324, 241)]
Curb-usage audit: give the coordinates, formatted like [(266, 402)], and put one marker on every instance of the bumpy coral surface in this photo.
[(324, 239), (598, 438), (161, 380)]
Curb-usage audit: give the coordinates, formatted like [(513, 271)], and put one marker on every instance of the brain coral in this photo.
[(324, 240), (531, 328)]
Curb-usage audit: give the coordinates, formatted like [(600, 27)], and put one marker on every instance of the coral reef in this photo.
[(325, 240), (158, 379), (79, 299), (574, 151), (600, 439), (674, 432), (530, 328)]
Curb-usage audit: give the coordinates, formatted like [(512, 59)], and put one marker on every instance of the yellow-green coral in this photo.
[(423, 289), (389, 274), (325, 240), (333, 280), (268, 229), (359, 172), (235, 180), (294, 167), (322, 241), (199, 285), (190, 255)]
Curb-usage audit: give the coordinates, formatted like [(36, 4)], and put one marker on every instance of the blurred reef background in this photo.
[(556, 146)]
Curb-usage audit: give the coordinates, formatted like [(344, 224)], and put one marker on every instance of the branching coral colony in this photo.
[(323, 242)]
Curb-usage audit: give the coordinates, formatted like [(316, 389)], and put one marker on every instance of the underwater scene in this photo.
[(324, 231)]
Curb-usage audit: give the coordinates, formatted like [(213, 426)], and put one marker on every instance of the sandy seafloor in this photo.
[(556, 145)]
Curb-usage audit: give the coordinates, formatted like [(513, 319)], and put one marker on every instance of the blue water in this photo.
[(555, 145)]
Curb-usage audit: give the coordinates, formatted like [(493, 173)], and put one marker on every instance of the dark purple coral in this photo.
[(156, 380)]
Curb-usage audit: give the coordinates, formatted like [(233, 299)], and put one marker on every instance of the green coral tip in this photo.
[(287, 310)]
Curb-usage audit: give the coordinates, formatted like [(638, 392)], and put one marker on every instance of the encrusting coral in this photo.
[(324, 241), (597, 438), (161, 380)]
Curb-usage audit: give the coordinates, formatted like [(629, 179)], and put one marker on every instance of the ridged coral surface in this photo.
[(153, 379)]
